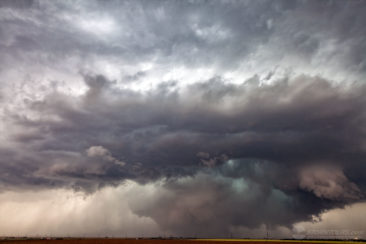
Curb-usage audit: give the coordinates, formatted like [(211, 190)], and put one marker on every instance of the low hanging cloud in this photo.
[(62, 212), (339, 223), (328, 182), (101, 152)]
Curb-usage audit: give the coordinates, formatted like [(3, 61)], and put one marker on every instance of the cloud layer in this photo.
[(239, 116)]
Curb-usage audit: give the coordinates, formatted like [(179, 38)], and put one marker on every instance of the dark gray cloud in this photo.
[(296, 143), (248, 113)]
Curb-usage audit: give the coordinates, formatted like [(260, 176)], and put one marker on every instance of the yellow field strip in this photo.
[(265, 240)]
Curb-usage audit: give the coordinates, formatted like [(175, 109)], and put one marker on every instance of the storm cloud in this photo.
[(228, 115)]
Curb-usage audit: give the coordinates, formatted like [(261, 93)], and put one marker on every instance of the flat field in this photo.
[(164, 241)]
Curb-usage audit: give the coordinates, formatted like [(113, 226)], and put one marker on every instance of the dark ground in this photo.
[(157, 241)]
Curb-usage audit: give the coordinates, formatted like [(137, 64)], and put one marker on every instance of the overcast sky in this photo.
[(183, 118)]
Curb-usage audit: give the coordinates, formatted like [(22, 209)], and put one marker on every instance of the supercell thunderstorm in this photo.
[(191, 118)]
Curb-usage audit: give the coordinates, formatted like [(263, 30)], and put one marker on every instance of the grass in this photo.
[(277, 241)]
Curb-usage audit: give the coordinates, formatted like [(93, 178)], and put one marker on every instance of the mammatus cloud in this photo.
[(240, 116)]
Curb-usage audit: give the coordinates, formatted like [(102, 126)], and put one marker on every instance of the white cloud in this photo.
[(99, 151), (328, 182), (64, 212), (342, 223)]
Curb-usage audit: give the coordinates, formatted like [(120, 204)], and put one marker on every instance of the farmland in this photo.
[(163, 241)]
